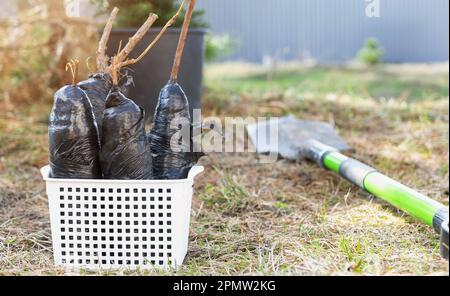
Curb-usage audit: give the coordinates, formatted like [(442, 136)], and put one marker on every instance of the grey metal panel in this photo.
[(332, 30)]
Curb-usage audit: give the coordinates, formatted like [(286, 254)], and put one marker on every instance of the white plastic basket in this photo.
[(109, 224)]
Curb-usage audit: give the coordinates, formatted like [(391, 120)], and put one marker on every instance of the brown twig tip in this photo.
[(102, 58), (72, 65), (182, 42)]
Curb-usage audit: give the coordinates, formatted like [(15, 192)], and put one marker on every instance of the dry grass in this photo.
[(35, 45), (282, 218)]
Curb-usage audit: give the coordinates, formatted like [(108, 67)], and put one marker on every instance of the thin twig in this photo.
[(72, 65), (119, 48), (182, 42), (118, 59), (123, 54), (102, 58), (161, 33)]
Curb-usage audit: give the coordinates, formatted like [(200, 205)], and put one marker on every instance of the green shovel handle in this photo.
[(402, 197)]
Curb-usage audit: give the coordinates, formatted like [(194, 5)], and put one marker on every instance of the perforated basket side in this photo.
[(114, 224)]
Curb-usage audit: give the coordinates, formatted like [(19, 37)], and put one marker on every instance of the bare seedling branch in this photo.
[(120, 60), (157, 38), (123, 54), (102, 58), (182, 42)]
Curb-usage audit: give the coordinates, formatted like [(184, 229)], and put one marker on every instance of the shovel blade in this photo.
[(293, 134)]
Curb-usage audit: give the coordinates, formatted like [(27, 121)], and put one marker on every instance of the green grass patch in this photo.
[(373, 82)]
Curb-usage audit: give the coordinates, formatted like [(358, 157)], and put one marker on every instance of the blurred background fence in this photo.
[(332, 31), (37, 37), (327, 31)]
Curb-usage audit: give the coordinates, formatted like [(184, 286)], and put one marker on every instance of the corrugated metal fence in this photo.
[(332, 30)]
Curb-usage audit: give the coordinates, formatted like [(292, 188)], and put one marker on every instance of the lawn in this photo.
[(284, 218)]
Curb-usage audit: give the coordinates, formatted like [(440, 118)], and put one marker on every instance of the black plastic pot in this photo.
[(153, 71)]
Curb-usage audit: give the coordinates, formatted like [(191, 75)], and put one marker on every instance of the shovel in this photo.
[(320, 143)]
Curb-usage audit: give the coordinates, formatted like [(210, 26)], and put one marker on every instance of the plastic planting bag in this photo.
[(97, 88), (76, 150), (171, 138), (125, 152), (171, 113), (73, 136)]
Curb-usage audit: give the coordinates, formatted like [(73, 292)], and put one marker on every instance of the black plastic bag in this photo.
[(73, 136), (171, 112), (125, 152), (97, 88)]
